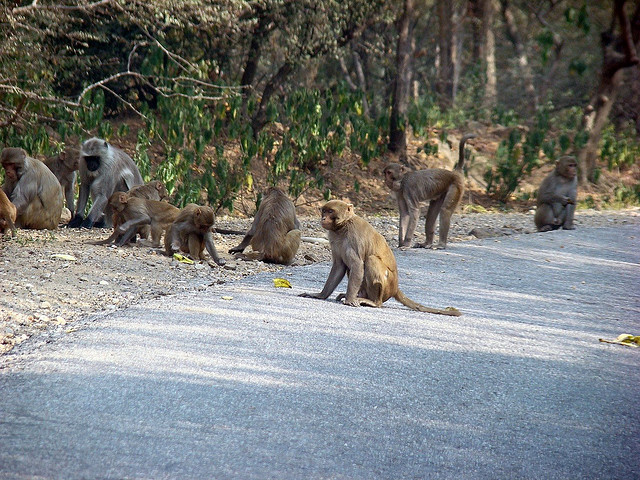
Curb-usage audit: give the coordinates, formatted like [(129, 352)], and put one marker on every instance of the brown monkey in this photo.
[(7, 215), (137, 212), (154, 190), (441, 187), (557, 197), (33, 189), (275, 231), (363, 254), (64, 167), (104, 169), (192, 232)]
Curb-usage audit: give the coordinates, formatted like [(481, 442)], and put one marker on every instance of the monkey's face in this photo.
[(92, 162), (328, 218), (568, 168), (203, 219), (392, 176), (162, 191), (335, 213), (118, 201), (10, 171)]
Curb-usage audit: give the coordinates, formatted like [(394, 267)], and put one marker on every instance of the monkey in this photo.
[(192, 232), (154, 190), (557, 195), (64, 167), (33, 189), (7, 215), (358, 250), (441, 187), (136, 212), (104, 169), (275, 231)]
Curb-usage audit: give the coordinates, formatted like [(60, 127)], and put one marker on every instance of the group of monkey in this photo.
[(33, 191)]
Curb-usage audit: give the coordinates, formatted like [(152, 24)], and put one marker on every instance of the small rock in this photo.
[(45, 305), (104, 282)]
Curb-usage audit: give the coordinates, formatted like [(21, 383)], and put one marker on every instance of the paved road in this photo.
[(270, 385)]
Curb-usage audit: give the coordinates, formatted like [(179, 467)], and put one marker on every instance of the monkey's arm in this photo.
[(211, 248), (23, 193), (83, 198), (129, 228), (243, 244), (173, 237), (249, 236), (99, 203), (68, 192), (337, 273)]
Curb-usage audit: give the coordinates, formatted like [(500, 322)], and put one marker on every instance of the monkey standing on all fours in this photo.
[(33, 190), (104, 169), (441, 187), (361, 253), (557, 196)]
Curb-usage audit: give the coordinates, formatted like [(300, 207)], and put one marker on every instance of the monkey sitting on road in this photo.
[(104, 169), (557, 197), (361, 253), (275, 231), (441, 187), (33, 190)]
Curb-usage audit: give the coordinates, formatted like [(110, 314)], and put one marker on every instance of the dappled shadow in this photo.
[(271, 385)]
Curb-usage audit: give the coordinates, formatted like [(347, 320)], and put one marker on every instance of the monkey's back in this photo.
[(423, 185)]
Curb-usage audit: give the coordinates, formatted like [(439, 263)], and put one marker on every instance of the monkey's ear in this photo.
[(350, 207), (106, 144)]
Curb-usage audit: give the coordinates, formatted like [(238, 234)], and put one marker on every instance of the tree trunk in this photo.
[(260, 117), (444, 84), (521, 53), (619, 52), (489, 55), (402, 84)]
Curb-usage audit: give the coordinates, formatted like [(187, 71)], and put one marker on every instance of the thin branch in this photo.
[(34, 6)]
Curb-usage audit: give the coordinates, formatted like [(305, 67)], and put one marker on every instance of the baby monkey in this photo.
[(359, 251)]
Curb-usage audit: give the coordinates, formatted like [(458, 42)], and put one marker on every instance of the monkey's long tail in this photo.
[(407, 302), (460, 165)]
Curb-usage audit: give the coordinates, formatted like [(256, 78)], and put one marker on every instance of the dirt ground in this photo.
[(40, 290)]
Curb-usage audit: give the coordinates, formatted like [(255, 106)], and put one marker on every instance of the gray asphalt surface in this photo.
[(271, 385)]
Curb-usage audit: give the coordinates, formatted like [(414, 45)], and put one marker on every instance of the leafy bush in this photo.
[(516, 159)]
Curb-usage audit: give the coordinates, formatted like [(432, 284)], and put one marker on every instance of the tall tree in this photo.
[(444, 82), (402, 83), (619, 51), (521, 52)]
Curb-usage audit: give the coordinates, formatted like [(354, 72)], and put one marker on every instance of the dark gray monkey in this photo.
[(104, 169), (557, 197)]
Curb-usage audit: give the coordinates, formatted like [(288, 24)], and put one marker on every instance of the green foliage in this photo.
[(619, 150), (627, 195), (317, 126), (516, 159)]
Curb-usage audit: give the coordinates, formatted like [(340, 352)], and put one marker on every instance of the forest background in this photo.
[(220, 98)]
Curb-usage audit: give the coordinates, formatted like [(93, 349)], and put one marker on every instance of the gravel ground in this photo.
[(40, 291)]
